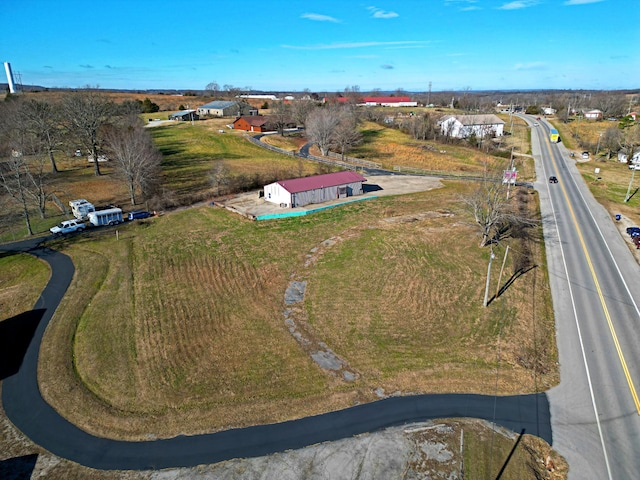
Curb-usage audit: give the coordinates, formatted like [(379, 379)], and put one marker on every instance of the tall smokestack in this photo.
[(12, 86)]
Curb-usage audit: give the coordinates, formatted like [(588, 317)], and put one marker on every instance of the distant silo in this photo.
[(12, 86)]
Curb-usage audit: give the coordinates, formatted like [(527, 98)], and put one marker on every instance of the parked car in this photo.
[(636, 241), (139, 214), (585, 155), (633, 230), (67, 226), (553, 179)]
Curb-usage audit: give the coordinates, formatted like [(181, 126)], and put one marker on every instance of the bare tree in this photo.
[(25, 182), (611, 104), (346, 134), (494, 213), (420, 127), (43, 121), (611, 140), (300, 110), (321, 125), (220, 176), (281, 116), (136, 159), (87, 112), (213, 89)]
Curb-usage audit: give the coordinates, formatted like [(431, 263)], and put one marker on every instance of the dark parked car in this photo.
[(139, 214), (553, 179), (632, 231)]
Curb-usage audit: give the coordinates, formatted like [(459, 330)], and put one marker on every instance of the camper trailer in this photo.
[(81, 208)]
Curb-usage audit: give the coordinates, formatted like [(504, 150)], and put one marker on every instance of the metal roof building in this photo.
[(299, 192), (225, 108)]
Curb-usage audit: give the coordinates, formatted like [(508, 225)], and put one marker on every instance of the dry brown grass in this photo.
[(165, 102), (580, 130), (178, 326), (391, 148)]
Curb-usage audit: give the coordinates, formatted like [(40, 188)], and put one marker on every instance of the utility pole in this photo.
[(598, 147), (486, 289), (429, 95), (633, 172)]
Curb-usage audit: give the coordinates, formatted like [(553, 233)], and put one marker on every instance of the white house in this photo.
[(549, 111), (623, 157), (463, 126), (593, 115), (299, 192)]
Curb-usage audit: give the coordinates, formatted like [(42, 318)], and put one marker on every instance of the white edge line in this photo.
[(575, 316)]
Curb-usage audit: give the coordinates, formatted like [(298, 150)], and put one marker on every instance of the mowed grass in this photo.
[(191, 151), (178, 326), (22, 279)]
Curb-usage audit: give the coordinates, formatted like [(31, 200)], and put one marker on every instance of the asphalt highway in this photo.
[(595, 411), (27, 410)]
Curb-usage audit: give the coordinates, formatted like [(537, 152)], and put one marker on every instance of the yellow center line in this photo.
[(634, 394)]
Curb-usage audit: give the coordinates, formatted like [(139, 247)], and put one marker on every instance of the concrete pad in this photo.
[(252, 205)]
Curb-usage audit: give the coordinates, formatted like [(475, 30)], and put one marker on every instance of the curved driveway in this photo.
[(28, 411)]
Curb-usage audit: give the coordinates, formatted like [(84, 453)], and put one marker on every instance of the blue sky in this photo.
[(324, 46)]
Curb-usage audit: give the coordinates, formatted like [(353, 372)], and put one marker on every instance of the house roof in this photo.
[(181, 113), (297, 185), (218, 104), (253, 120), (486, 119)]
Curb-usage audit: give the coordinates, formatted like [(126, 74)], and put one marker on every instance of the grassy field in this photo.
[(190, 152), (178, 326)]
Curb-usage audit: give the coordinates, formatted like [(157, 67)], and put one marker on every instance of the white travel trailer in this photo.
[(81, 208)]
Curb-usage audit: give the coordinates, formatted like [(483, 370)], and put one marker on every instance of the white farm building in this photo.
[(299, 192), (463, 126)]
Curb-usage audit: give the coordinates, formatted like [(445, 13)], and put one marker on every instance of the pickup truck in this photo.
[(67, 226)]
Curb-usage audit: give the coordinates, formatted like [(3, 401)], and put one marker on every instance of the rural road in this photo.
[(27, 410), (595, 411)]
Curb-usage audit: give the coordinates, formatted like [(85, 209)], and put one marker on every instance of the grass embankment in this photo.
[(178, 327), (22, 280)]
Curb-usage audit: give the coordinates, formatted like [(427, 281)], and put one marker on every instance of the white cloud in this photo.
[(379, 13), (319, 18), (336, 46), (581, 2), (518, 4)]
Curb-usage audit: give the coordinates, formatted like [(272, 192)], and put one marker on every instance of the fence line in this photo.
[(294, 154), (356, 161)]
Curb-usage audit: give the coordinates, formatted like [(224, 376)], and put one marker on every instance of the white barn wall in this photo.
[(275, 193)]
